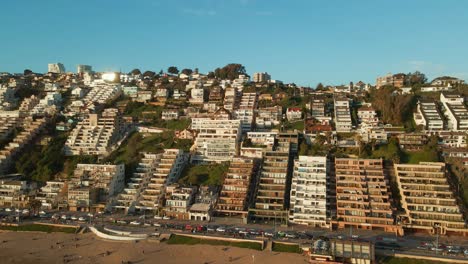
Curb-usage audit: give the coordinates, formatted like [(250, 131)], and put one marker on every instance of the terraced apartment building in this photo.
[(427, 199), (237, 191), (362, 195)]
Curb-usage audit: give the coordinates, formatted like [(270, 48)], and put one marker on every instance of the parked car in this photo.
[(157, 217), (74, 218), (211, 228), (135, 223), (123, 222), (64, 217), (166, 218), (221, 229), (81, 219)]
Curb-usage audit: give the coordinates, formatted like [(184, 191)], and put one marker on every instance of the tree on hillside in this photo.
[(211, 75), (35, 205), (319, 87), (187, 71), (393, 108), (230, 71), (135, 72), (27, 72), (173, 70), (150, 74), (415, 78)]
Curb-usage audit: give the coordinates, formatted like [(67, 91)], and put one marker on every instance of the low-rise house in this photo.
[(178, 201), (53, 193), (428, 116), (412, 141), (170, 114), (205, 201), (294, 113), (186, 134)]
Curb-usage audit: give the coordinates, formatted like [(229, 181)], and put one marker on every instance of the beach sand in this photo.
[(32, 247)]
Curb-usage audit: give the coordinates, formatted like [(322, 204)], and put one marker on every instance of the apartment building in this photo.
[(294, 113), (231, 98), (428, 116), (96, 134), (8, 124), (203, 206), (455, 111), (396, 80), (56, 67), (81, 68), (7, 98), (129, 198), (308, 203), (100, 93), (31, 128), (262, 138), (246, 111), (367, 116), (260, 77), (170, 114), (197, 96), (412, 141), (427, 199), (238, 187), (272, 194), (363, 198), (14, 192), (167, 170), (217, 140), (268, 117), (343, 122), (178, 201), (94, 187), (53, 193), (452, 139), (317, 107)]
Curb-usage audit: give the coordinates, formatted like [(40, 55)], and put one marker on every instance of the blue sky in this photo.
[(301, 41)]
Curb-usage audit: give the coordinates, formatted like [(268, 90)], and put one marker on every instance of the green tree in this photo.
[(135, 72), (27, 72), (149, 74), (35, 205), (319, 87), (230, 71), (173, 70), (187, 71)]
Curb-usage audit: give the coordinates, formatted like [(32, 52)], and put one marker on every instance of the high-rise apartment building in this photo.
[(56, 67), (84, 68)]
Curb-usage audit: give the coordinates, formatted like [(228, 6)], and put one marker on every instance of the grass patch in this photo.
[(414, 157), (185, 240), (40, 228), (280, 247), (393, 260), (212, 174)]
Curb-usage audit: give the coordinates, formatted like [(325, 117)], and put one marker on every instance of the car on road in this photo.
[(157, 224), (211, 228), (74, 218), (90, 215), (7, 210), (290, 235), (123, 222), (268, 234), (465, 252), (340, 237), (136, 223), (146, 224), (64, 217), (221, 229), (25, 211), (157, 217), (81, 219), (166, 218), (354, 237)]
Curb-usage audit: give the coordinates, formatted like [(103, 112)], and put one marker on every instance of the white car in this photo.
[(122, 222), (42, 212), (82, 219), (25, 211), (147, 224), (64, 217), (7, 210), (17, 210), (221, 229), (166, 218), (354, 236), (157, 217), (90, 214), (157, 224), (74, 218), (135, 223)]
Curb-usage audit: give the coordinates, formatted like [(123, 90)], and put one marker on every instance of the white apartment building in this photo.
[(317, 108), (96, 134), (170, 114), (217, 140), (246, 111), (308, 202), (197, 96), (262, 138), (231, 98), (56, 68), (428, 116), (268, 117), (178, 201), (343, 122), (166, 172), (51, 194), (94, 187), (294, 113), (455, 111), (367, 116)]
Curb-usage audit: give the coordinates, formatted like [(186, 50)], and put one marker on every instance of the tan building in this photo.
[(427, 198), (237, 190), (362, 195), (396, 80)]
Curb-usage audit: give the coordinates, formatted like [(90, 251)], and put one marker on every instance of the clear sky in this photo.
[(301, 41)]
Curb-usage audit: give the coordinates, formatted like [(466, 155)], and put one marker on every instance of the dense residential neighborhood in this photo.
[(391, 157)]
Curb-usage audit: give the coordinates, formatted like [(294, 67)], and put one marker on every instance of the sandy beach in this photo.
[(32, 247)]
